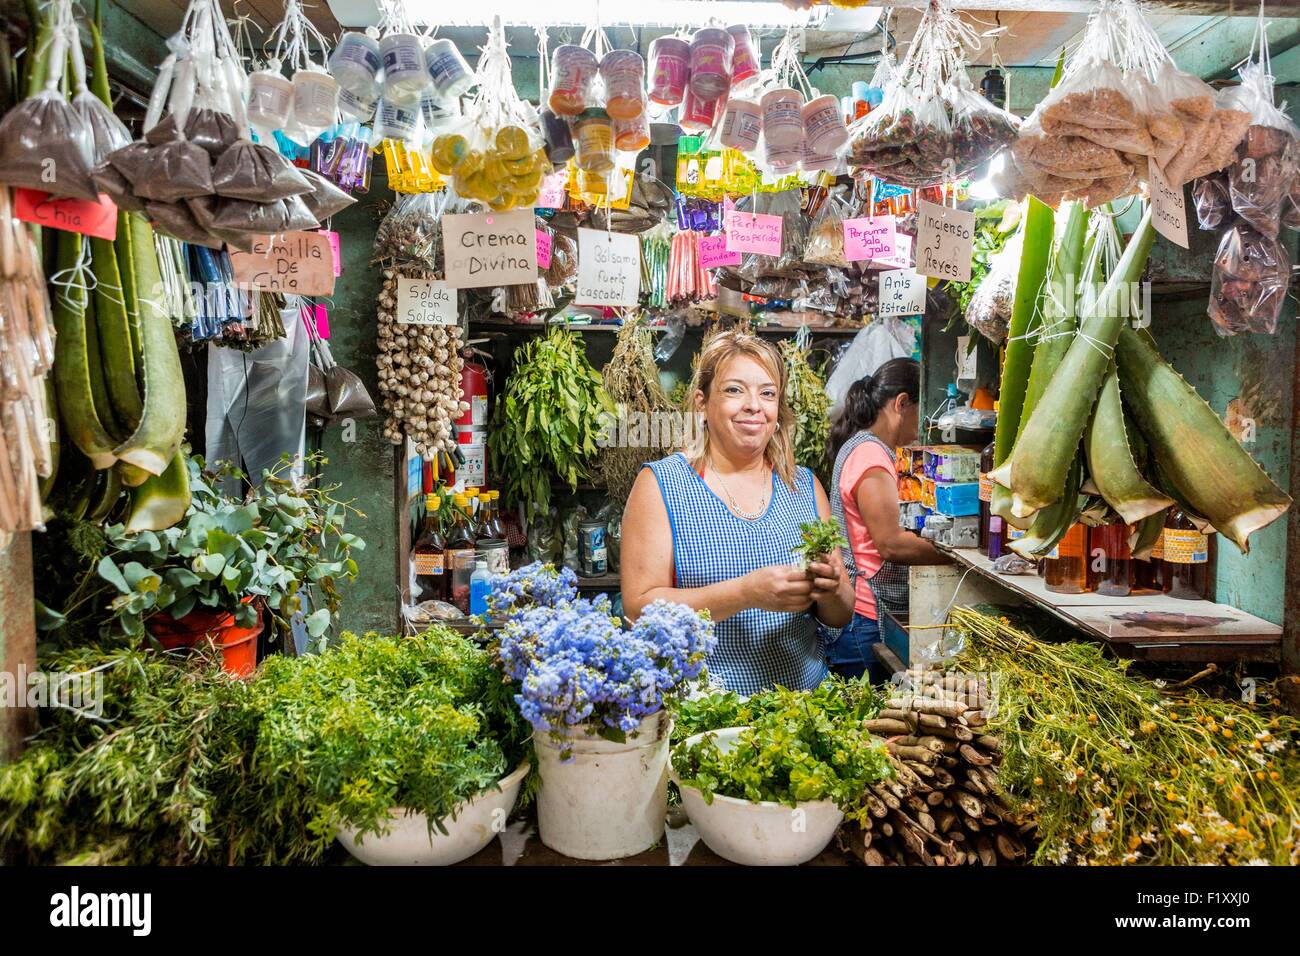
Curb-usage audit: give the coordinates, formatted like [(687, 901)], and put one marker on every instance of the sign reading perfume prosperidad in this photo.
[(753, 232)]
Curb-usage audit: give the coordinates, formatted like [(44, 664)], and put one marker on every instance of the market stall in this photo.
[(337, 341)]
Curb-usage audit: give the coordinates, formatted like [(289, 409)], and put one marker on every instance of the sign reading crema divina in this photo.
[(490, 249)]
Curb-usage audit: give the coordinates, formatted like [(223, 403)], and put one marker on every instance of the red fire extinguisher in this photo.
[(473, 392)]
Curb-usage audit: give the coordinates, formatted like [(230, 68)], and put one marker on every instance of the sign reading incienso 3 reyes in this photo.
[(490, 249)]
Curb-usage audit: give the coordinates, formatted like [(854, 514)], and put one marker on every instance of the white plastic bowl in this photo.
[(757, 834), (409, 842)]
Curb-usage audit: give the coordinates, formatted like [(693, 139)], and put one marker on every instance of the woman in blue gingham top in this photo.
[(713, 526)]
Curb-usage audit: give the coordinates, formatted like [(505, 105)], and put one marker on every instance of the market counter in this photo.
[(1143, 626)]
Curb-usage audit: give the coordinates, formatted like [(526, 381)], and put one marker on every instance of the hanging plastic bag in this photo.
[(176, 220), (825, 244), (989, 309), (1249, 282), (264, 218), (876, 344), (255, 173), (46, 145), (1291, 208), (1211, 201), (174, 171), (1268, 157), (324, 199)]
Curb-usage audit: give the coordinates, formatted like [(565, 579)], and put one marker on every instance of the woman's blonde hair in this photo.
[(719, 349)]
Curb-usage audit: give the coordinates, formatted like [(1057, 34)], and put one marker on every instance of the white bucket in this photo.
[(409, 842), (758, 834), (610, 800)]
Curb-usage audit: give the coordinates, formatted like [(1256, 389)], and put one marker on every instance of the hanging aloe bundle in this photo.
[(1204, 465), (632, 381), (1047, 446), (117, 372), (806, 392)]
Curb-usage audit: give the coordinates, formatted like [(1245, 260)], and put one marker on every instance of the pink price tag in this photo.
[(322, 321), (543, 249), (553, 189), (753, 232), (336, 250), (868, 238), (901, 258), (713, 253)]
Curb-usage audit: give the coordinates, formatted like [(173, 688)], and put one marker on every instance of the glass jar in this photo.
[(670, 59), (594, 141), (448, 71), (1110, 561), (1185, 564), (1065, 567), (356, 63), (462, 569), (405, 76), (624, 74), (783, 117), (572, 70), (823, 126), (744, 57), (742, 122), (711, 51)]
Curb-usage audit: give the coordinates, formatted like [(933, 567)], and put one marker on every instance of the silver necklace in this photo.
[(739, 511)]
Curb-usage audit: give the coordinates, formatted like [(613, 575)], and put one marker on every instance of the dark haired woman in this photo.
[(880, 413)]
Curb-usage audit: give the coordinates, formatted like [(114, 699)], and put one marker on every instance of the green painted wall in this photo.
[(365, 467)]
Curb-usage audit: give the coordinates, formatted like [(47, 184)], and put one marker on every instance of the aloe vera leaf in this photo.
[(105, 496), (99, 67), (1199, 460), (126, 272), (1035, 252), (1048, 443), (114, 330), (162, 500), (162, 421), (1145, 535), (1063, 279), (1051, 523), (73, 345), (38, 58), (52, 432), (1110, 459), (132, 477)]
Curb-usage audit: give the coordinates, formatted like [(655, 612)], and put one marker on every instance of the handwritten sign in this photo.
[(902, 292), (870, 238), (97, 219), (943, 241), (902, 257), (609, 269), (298, 263), (425, 302), (713, 253), (491, 249), (543, 249), (753, 232), (554, 188), (1168, 211), (336, 249)]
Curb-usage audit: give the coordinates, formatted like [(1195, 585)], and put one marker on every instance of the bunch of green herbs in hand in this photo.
[(818, 540)]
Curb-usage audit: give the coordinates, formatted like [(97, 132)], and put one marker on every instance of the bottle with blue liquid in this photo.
[(480, 585)]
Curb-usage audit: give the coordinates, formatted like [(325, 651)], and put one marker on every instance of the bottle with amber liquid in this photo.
[(1147, 574), (992, 530), (1185, 566), (428, 554), (459, 554), (1066, 567), (1110, 562)]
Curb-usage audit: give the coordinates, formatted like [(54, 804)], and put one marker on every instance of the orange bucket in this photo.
[(238, 644)]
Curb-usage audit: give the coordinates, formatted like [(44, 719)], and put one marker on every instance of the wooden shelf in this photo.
[(1145, 626), (603, 582), (526, 328)]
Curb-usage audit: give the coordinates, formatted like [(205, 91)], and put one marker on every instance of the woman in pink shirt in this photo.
[(880, 413)]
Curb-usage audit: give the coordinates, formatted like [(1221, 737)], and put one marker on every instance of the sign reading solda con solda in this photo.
[(491, 249)]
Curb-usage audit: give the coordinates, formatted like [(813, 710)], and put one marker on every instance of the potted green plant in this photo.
[(226, 566), (410, 750), (767, 780)]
